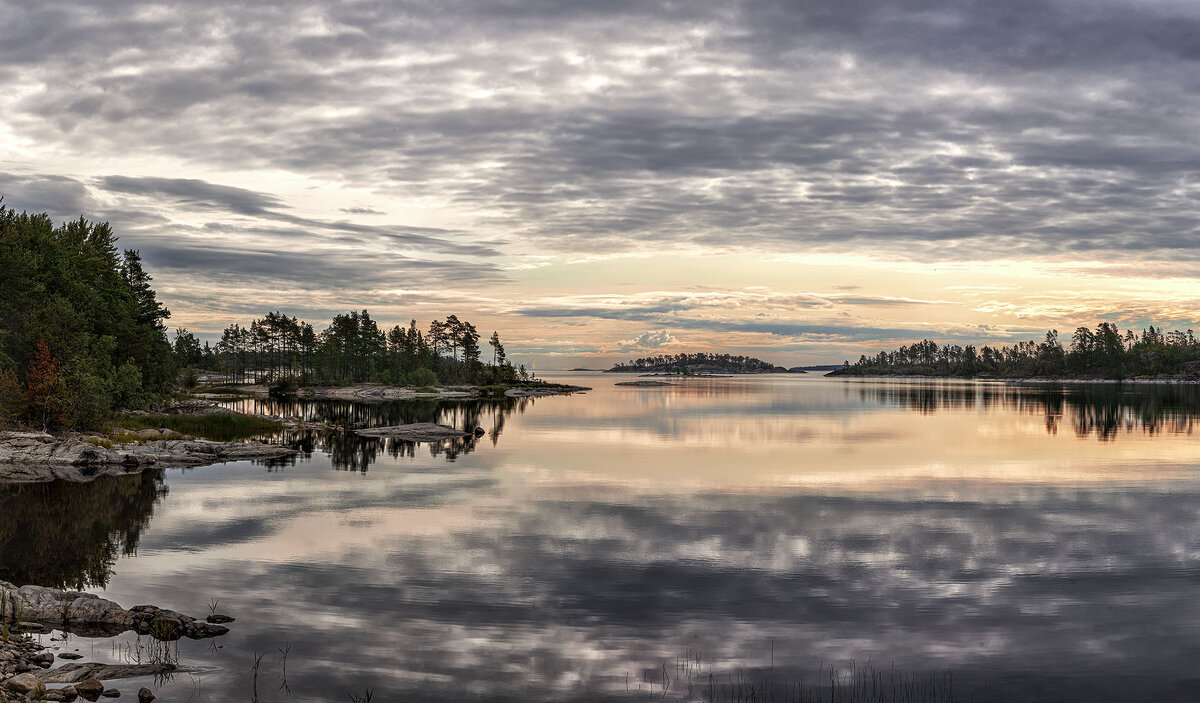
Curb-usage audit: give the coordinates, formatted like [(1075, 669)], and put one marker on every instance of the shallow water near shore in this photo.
[(1040, 542)]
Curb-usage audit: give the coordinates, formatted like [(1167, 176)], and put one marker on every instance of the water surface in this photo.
[(1041, 543)]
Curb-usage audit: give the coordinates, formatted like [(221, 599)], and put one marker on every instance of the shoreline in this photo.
[(1183, 381), (38, 457), (379, 392)]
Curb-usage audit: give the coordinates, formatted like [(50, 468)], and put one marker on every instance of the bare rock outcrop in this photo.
[(86, 613), (415, 432), (38, 456)]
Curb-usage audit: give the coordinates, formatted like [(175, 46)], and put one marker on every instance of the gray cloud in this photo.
[(928, 130)]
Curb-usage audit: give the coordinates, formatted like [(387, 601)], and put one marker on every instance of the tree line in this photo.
[(81, 331), (697, 362), (1104, 352), (83, 335), (354, 348)]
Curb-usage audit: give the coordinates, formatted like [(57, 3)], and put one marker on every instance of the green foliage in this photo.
[(189, 377), (1100, 353), (68, 288), (695, 363), (127, 392), (88, 399), (283, 387)]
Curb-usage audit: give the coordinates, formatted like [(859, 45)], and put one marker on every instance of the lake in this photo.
[(959, 540)]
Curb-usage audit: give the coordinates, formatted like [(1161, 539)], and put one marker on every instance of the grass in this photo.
[(222, 428), (100, 442), (225, 390)]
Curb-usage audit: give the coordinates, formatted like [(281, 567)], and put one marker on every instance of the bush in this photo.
[(87, 399), (127, 387), (189, 377), (421, 377), (283, 387)]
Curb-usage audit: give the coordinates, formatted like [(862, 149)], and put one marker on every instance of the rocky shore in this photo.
[(25, 664), (415, 432), (39, 456)]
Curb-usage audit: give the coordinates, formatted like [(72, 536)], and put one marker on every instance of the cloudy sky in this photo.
[(803, 181)]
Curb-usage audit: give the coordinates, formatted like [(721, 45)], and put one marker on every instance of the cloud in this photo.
[(653, 339)]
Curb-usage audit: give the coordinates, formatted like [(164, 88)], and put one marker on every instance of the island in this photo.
[(697, 364)]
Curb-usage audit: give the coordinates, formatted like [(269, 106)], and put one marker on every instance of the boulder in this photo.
[(145, 695), (22, 684)]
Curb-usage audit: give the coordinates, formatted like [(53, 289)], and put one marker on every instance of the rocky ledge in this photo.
[(38, 456), (91, 615), (416, 432)]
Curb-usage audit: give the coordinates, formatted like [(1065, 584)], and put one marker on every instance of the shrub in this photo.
[(127, 387), (87, 399), (283, 387)]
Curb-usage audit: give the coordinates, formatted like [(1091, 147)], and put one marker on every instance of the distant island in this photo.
[(696, 364), (1104, 353)]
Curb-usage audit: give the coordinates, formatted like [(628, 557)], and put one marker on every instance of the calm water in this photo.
[(1041, 543)]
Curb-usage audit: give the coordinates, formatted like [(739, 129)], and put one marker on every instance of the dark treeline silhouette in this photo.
[(81, 331), (352, 349), (68, 535), (696, 363), (1101, 353), (1100, 410)]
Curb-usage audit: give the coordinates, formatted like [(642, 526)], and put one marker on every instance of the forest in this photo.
[(696, 363), (353, 349), (83, 336), (81, 331), (1104, 353)]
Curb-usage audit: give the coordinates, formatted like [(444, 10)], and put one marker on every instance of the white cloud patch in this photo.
[(654, 339)]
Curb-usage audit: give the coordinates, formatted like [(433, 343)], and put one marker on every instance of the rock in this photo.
[(29, 457), (89, 687), (218, 619), (60, 694), (145, 695), (70, 655), (73, 673), (90, 614), (416, 432), (34, 627), (111, 693), (479, 432), (25, 683), (535, 392)]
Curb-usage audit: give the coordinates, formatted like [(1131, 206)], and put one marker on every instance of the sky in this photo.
[(799, 181)]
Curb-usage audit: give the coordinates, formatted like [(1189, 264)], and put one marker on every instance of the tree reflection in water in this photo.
[(68, 535), (1102, 410), (350, 452)]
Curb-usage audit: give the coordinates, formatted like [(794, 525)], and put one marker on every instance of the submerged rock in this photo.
[(91, 674)]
